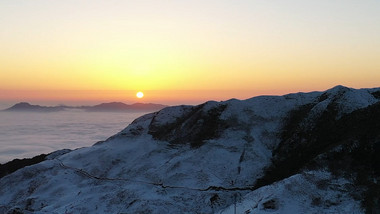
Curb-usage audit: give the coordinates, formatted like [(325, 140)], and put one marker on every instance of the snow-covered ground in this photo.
[(134, 172), (309, 192)]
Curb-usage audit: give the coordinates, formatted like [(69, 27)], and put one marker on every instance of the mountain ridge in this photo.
[(298, 153), (111, 106)]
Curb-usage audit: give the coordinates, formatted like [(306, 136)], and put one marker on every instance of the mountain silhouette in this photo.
[(103, 107)]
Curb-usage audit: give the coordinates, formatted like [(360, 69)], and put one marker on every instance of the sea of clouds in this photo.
[(27, 134)]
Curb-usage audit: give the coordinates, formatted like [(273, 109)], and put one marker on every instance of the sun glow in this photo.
[(177, 52), (140, 95)]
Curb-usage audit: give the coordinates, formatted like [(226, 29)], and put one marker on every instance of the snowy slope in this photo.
[(309, 192), (187, 159)]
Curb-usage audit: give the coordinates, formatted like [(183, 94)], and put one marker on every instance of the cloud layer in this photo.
[(24, 135)]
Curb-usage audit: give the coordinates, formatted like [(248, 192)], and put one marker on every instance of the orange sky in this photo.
[(184, 51)]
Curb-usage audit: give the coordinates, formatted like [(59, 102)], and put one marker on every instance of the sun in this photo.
[(140, 94)]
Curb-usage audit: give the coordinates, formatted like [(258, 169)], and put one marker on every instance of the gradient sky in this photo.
[(184, 51)]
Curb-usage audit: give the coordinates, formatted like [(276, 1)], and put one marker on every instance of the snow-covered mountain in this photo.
[(298, 153)]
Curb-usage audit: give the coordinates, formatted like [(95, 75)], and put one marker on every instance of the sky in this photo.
[(184, 52)]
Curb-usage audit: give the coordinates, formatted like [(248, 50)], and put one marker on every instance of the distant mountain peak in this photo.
[(111, 106), (24, 106), (119, 106), (338, 89)]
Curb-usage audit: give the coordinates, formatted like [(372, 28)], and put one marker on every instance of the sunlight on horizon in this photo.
[(244, 47)]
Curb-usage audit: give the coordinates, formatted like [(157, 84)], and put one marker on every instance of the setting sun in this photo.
[(140, 94)]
